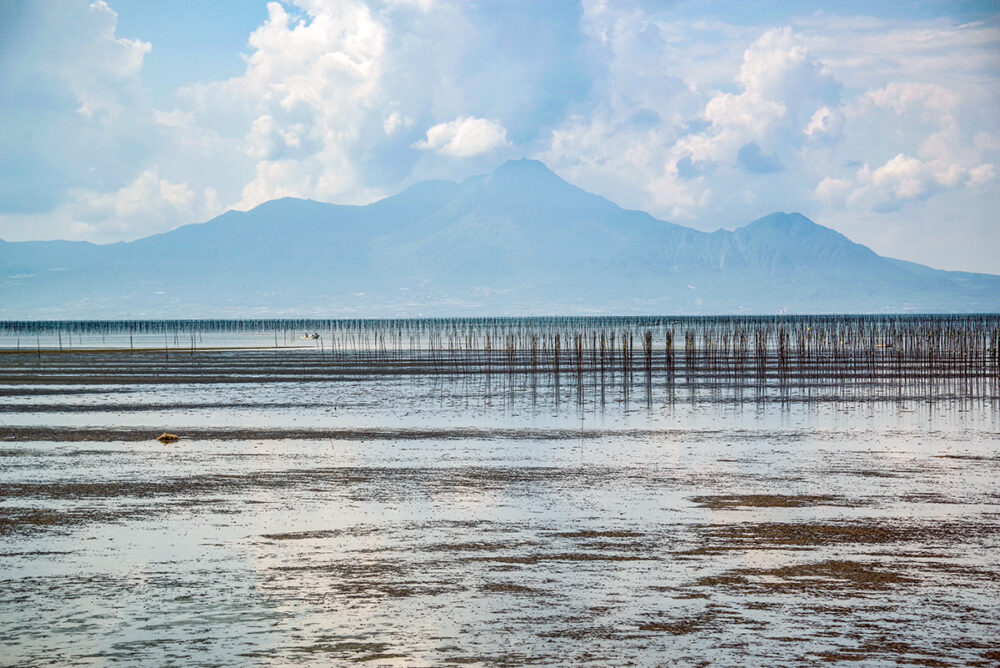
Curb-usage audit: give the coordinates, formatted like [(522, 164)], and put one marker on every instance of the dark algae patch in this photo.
[(538, 558), (508, 588), (678, 627), (824, 575), (899, 652), (765, 535), (725, 502), (586, 534)]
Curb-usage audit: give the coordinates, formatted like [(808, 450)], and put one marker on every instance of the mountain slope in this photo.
[(518, 240)]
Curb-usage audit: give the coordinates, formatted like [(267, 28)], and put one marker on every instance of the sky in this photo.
[(125, 118)]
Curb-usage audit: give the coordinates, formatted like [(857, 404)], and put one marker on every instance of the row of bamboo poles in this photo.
[(828, 346)]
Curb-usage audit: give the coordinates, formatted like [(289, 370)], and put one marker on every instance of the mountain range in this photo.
[(519, 240)]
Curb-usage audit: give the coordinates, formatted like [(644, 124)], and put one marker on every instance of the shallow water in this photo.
[(427, 520)]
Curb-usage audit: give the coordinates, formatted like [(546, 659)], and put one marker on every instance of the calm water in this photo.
[(314, 515)]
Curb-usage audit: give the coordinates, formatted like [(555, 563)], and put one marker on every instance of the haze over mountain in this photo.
[(517, 241)]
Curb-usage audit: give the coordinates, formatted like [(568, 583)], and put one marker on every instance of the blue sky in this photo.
[(129, 117)]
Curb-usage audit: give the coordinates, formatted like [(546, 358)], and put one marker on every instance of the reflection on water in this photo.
[(491, 519)]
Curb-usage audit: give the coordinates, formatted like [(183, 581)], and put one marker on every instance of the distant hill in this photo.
[(517, 241)]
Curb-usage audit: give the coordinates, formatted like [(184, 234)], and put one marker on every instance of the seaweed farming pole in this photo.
[(996, 351), (647, 349), (555, 349), (626, 353), (957, 352), (669, 352)]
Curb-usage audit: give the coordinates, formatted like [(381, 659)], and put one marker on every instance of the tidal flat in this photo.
[(318, 515)]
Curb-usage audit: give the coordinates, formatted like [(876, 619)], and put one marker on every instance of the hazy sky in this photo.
[(129, 117)]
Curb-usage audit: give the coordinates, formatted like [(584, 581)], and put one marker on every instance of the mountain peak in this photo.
[(525, 170), (523, 165), (790, 225), (292, 201), (782, 220)]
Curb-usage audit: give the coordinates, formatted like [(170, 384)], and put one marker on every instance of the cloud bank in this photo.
[(885, 128)]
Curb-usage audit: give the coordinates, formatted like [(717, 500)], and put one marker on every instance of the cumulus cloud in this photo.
[(781, 86), (143, 205), (983, 174), (464, 137), (683, 163), (147, 204), (110, 60), (307, 86), (900, 179), (825, 124), (946, 158)]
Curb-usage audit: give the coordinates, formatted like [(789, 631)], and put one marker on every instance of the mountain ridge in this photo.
[(518, 240)]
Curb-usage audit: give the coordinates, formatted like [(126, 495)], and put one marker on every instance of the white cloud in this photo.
[(926, 118), (309, 83), (294, 123), (936, 103), (396, 121), (833, 191), (681, 166), (108, 61), (825, 123), (145, 205), (982, 174), (464, 137), (900, 179), (782, 86)]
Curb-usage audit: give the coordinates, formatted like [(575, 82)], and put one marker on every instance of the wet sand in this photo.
[(401, 520)]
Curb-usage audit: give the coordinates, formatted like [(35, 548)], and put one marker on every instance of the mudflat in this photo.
[(488, 519)]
